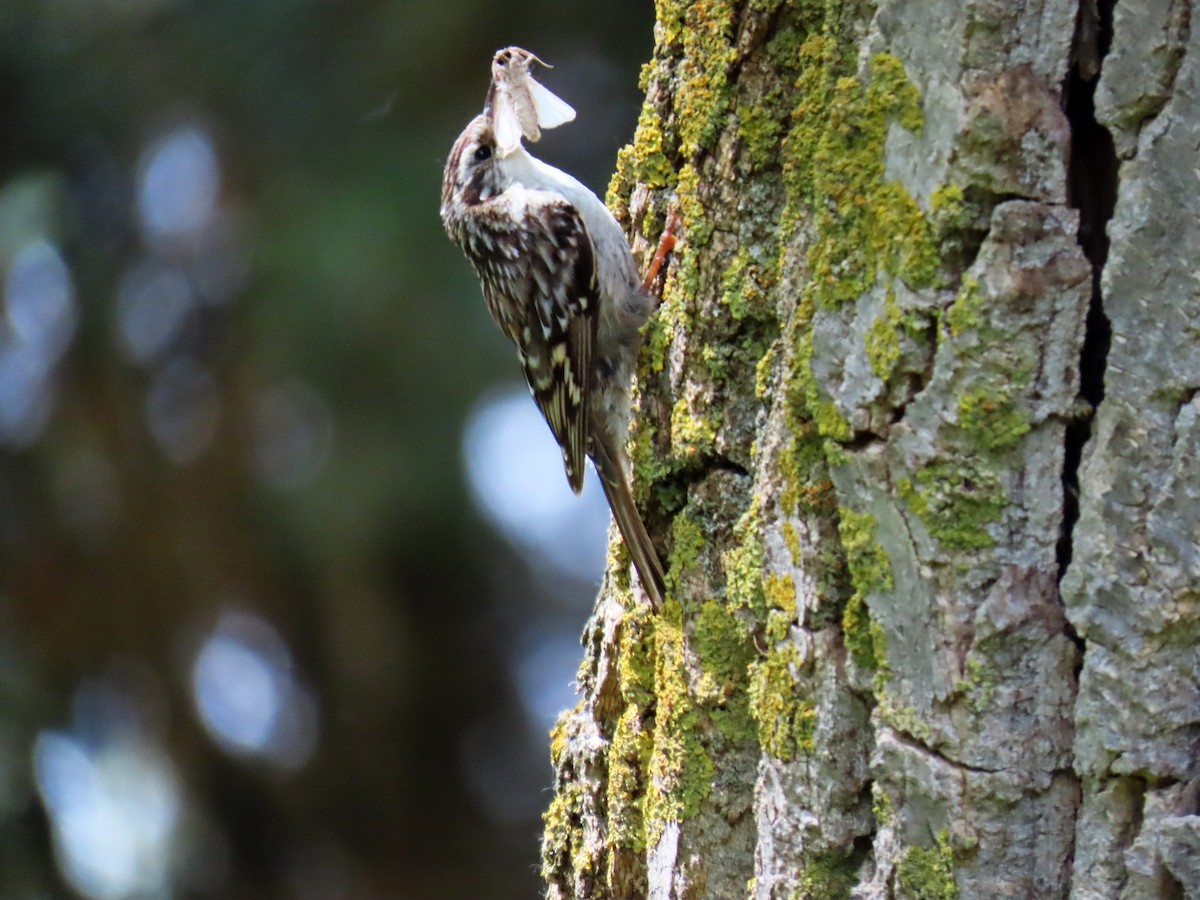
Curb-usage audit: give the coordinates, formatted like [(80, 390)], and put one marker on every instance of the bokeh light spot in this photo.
[(25, 396), (515, 470), (153, 301), (112, 798), (238, 691), (40, 301), (545, 676), (247, 697), (177, 190)]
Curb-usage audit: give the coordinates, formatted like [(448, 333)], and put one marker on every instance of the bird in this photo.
[(560, 280)]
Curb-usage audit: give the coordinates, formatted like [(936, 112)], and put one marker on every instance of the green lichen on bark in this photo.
[(693, 431), (951, 217), (653, 468), (927, 873), (725, 650), (651, 166), (694, 225), (882, 341), (638, 747), (680, 770), (978, 683), (960, 493), (862, 635), (870, 569), (785, 717), (632, 741), (760, 128), (636, 658), (964, 312), (827, 877), (881, 805), (992, 416), (628, 757), (687, 542), (786, 720), (870, 572), (780, 594), (904, 719), (563, 847), (865, 227), (743, 567), (745, 284), (956, 501), (702, 98)]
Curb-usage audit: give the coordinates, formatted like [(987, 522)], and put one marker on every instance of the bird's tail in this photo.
[(629, 522)]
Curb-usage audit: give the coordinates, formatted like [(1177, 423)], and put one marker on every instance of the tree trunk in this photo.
[(920, 450)]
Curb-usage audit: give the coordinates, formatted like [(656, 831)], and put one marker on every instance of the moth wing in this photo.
[(506, 123), (551, 110)]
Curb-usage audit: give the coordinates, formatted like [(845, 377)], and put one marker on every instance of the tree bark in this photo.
[(920, 449)]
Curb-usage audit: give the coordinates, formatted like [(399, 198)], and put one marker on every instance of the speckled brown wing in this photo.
[(540, 285)]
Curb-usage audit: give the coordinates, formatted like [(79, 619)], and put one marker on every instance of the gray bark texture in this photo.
[(919, 439)]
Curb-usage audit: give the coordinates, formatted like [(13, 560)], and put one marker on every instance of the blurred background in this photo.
[(291, 583)]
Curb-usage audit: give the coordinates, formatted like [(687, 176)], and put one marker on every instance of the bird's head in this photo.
[(473, 172)]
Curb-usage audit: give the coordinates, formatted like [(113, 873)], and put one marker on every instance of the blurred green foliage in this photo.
[(330, 120)]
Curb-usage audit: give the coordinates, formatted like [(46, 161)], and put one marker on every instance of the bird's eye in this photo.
[(484, 152)]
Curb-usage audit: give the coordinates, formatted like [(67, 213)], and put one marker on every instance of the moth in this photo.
[(520, 106)]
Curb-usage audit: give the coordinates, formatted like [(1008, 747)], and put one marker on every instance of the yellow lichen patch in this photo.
[(679, 768), (993, 416), (559, 734), (724, 649), (863, 229), (882, 341), (743, 566), (650, 164), (786, 721), (870, 569), (865, 226), (792, 540), (702, 100), (760, 129), (563, 846), (828, 877), (763, 373), (693, 221), (636, 659), (780, 593), (744, 286), (691, 432), (963, 313), (670, 16), (628, 757)]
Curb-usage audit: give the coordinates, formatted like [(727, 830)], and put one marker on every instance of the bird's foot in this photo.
[(665, 245)]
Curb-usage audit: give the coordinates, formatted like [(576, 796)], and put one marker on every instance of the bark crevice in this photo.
[(913, 742), (1092, 182)]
